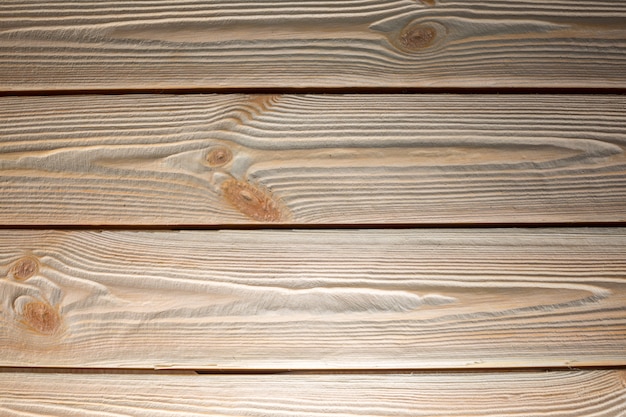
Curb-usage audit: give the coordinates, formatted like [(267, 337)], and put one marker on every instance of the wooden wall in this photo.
[(314, 208)]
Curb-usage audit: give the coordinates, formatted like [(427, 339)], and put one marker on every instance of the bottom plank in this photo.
[(561, 393)]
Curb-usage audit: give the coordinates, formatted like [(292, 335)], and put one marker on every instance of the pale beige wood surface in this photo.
[(311, 159), (267, 299), (119, 44), (528, 394)]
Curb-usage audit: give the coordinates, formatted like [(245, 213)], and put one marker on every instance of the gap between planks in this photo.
[(316, 226), (365, 371), (618, 91)]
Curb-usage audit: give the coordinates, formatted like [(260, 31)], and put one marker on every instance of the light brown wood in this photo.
[(114, 323), (359, 299), (311, 159), (529, 394), (340, 43)]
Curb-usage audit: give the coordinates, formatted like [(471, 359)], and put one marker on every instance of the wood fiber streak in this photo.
[(557, 394), (307, 159), (369, 299), (341, 43)]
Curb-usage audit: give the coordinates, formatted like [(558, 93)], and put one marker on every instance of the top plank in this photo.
[(155, 44)]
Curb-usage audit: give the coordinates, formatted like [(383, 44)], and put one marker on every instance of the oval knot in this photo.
[(252, 201)]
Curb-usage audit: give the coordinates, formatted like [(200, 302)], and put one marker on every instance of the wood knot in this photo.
[(219, 156), (252, 201), (41, 317), (25, 268), (417, 37)]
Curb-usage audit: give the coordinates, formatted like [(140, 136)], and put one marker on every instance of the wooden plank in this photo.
[(122, 44), (311, 159), (557, 394), (368, 299)]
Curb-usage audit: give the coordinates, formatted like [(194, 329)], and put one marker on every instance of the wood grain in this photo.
[(311, 159), (368, 299), (557, 394), (121, 44)]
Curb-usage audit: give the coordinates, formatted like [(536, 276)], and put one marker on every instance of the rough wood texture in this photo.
[(313, 299), (555, 394), (226, 159), (341, 43)]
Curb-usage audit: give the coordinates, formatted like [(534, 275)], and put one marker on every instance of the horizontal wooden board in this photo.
[(358, 299), (555, 394), (124, 44), (311, 159)]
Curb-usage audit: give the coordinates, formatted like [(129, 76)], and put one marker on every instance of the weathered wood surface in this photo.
[(311, 159), (265, 299), (555, 394), (277, 44)]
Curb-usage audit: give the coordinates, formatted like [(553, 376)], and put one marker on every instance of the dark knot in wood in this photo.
[(417, 37), (219, 156), (25, 268), (252, 201), (41, 316)]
